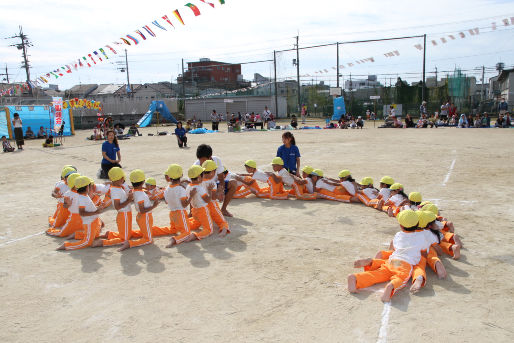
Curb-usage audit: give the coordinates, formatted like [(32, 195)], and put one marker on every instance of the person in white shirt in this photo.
[(384, 193), (215, 119), (199, 200), (59, 217), (407, 245), (248, 182), (327, 188), (397, 199), (367, 193), (266, 114)]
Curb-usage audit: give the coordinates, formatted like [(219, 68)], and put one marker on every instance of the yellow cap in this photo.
[(137, 175), (396, 186), (116, 173), (70, 166), (307, 169), (209, 165), (174, 171), (426, 202), (415, 197), (151, 181), (67, 171), (431, 208), (91, 181), (366, 181), (344, 173), (408, 218), (251, 163), (425, 217), (387, 180), (194, 171), (82, 181), (278, 160), (317, 172), (71, 179)]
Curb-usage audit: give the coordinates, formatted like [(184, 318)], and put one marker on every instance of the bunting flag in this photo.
[(54, 75), (69, 69), (103, 52), (141, 34), (92, 59), (177, 14), (98, 56), (85, 59), (193, 8), (165, 17), (222, 2), (136, 42), (113, 51), (125, 41), (159, 25), (208, 3), (149, 30), (75, 66)]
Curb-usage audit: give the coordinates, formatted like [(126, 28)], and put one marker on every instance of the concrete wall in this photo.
[(202, 108)]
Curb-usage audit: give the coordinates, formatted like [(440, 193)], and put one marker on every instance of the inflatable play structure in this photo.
[(339, 108), (35, 117), (161, 108)]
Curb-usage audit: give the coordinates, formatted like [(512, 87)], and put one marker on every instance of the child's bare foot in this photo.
[(362, 263), (226, 213), (62, 247), (105, 235), (352, 283), (456, 251), (125, 246), (191, 237), (457, 240), (97, 243), (172, 243), (388, 293), (390, 212), (440, 270), (223, 232), (416, 286), (451, 228)]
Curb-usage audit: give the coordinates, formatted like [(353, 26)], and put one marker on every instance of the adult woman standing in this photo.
[(110, 153), (18, 131), (180, 132)]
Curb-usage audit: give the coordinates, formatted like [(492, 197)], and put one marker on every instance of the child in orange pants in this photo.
[(276, 189), (349, 185), (70, 205), (209, 184), (144, 207), (384, 194), (89, 216), (60, 188), (367, 193), (152, 190), (250, 180), (396, 201), (450, 243), (199, 200), (303, 188), (328, 189)]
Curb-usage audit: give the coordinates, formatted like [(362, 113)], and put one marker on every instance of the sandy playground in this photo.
[(280, 276)]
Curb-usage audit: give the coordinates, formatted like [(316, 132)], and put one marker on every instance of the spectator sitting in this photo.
[(294, 122), (507, 122), (342, 123), (49, 143), (6, 145), (453, 120), (233, 120), (29, 134), (422, 122), (499, 121), (397, 122), (41, 133), (409, 122), (463, 121), (188, 125), (360, 122), (118, 130), (271, 122), (97, 132), (199, 124), (478, 121), (486, 121), (133, 131), (432, 121), (352, 125)]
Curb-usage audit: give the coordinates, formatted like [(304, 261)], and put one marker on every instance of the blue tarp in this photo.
[(35, 117), (339, 108), (201, 130), (156, 106)]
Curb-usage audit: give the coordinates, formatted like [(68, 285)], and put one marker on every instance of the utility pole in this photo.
[(25, 43), (482, 92), (128, 78), (424, 59), (436, 76), (183, 77), (298, 72), (337, 66), (6, 73), (275, 82)]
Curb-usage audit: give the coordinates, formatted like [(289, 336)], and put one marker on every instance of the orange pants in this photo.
[(180, 221), (301, 193), (242, 192), (124, 222), (419, 270), (396, 271), (91, 231), (51, 220), (145, 223), (336, 196), (447, 242), (61, 217), (365, 200), (158, 195), (217, 216), (73, 224), (395, 209), (275, 191), (201, 216)]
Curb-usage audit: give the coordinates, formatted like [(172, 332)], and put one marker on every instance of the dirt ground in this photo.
[(280, 276)]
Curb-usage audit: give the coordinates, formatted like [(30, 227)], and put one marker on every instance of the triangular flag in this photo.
[(103, 52), (133, 39), (125, 41), (141, 34), (113, 51), (209, 3), (85, 59), (97, 55), (193, 8), (177, 14), (165, 17), (222, 2), (92, 59), (159, 25), (149, 30)]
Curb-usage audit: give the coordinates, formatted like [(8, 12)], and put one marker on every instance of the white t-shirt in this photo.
[(140, 196), (74, 207), (266, 114), (63, 188), (118, 193), (408, 245), (323, 185), (409, 207), (217, 160), (397, 199), (197, 200), (86, 203), (261, 176), (349, 186), (215, 117), (371, 193), (17, 123), (101, 188), (287, 179), (309, 185), (231, 176), (173, 196), (385, 193), (209, 183)]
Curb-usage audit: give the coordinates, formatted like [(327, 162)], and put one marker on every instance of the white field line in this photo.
[(382, 333), (447, 178), (21, 239)]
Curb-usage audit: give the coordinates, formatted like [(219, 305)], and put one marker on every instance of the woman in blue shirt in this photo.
[(111, 153), (290, 153), (180, 132)]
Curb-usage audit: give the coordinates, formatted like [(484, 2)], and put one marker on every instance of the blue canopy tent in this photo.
[(339, 108), (156, 106), (35, 117)]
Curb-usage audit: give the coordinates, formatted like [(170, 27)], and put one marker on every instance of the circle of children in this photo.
[(423, 237)]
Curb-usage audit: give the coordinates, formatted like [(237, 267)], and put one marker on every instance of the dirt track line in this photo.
[(21, 239), (382, 333)]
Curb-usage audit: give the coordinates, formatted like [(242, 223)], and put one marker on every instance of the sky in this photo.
[(246, 31)]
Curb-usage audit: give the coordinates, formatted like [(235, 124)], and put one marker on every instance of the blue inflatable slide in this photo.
[(156, 106)]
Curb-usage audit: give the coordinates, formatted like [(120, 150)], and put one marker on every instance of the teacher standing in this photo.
[(18, 131), (290, 153), (110, 153)]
